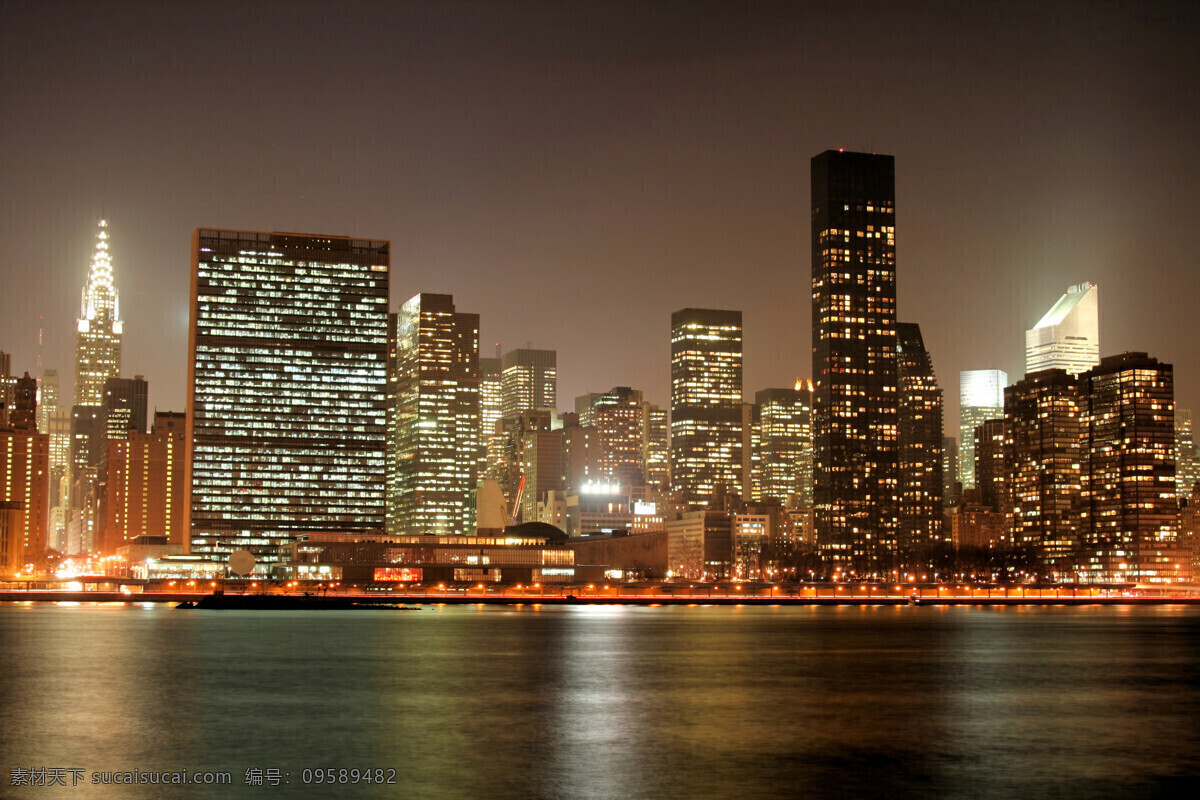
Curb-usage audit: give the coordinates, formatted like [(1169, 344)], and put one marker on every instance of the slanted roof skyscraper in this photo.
[(920, 442), (1068, 336)]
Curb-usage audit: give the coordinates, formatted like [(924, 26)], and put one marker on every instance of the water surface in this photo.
[(611, 702)]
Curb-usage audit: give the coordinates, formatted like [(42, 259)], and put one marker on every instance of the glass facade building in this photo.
[(706, 403), (528, 381), (286, 390), (433, 427), (854, 358), (980, 398)]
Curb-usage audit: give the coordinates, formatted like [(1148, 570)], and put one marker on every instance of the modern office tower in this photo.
[(83, 483), (919, 437), (25, 477), (1186, 473), (1068, 336), (98, 337), (287, 389), (542, 468), (950, 482), (619, 417), (782, 447), (47, 399), (656, 447), (581, 457), (706, 403), (1043, 456), (520, 436), (124, 406), (585, 405), (989, 463), (433, 436), (747, 431), (491, 410), (855, 406), (55, 421), (528, 380), (980, 398), (145, 484), (1129, 508)]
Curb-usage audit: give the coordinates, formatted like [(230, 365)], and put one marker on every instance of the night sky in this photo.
[(574, 172)]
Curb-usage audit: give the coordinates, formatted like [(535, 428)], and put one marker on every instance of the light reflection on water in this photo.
[(613, 702)]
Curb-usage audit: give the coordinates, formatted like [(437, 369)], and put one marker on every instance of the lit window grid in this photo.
[(288, 405)]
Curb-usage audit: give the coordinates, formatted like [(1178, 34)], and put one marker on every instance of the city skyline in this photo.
[(668, 156)]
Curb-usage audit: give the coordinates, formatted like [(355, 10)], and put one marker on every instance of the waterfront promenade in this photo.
[(823, 594)]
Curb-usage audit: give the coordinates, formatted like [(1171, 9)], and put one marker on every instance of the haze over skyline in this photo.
[(575, 173)]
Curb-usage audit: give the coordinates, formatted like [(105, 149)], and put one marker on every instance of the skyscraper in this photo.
[(990, 475), (24, 477), (919, 439), (528, 380), (1185, 454), (980, 398), (1068, 336), (706, 403), (782, 459), (1127, 528), (433, 427), (620, 422), (656, 448), (124, 406), (144, 476), (55, 421), (491, 411), (286, 389), (1043, 455), (97, 358), (855, 406), (98, 332)]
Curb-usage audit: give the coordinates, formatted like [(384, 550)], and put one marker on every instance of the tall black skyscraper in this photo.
[(854, 357)]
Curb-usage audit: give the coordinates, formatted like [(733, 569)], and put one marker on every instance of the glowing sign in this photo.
[(402, 574), (600, 488), (643, 508)]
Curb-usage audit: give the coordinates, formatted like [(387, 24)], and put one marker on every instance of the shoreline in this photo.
[(338, 601)]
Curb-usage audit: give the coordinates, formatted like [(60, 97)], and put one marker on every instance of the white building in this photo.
[(1068, 337), (980, 398)]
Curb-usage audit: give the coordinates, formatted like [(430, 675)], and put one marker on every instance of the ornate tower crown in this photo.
[(99, 295)]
